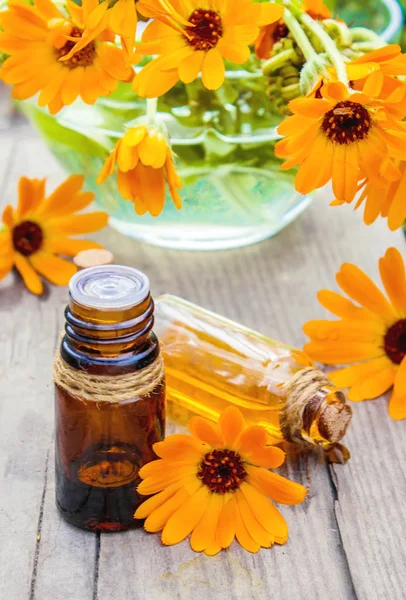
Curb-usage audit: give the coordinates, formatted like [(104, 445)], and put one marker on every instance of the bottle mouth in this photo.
[(109, 287)]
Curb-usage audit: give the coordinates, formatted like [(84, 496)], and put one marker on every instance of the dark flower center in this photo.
[(395, 342), (222, 471), (82, 58), (206, 29), (347, 122), (280, 31), (27, 238)]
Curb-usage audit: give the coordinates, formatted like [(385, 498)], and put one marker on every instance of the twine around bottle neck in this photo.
[(107, 388), (306, 394)]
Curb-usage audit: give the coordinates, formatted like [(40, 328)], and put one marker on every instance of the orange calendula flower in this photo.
[(371, 334), (196, 37), (353, 133), (59, 57), (215, 486), (35, 232), (145, 163)]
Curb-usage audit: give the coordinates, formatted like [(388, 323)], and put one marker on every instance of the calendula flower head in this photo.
[(215, 486), (384, 197), (145, 164), (58, 56), (196, 37), (37, 231), (270, 34), (370, 334), (343, 136)]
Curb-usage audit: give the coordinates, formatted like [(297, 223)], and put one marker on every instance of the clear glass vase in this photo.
[(234, 192)]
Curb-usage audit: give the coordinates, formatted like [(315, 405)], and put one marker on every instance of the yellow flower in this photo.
[(145, 162), (196, 37), (372, 334), (354, 133), (53, 55), (215, 486), (37, 230)]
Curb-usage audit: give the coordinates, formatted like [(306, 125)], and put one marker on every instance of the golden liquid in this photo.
[(211, 363)]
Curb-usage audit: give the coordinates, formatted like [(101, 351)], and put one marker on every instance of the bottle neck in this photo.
[(315, 412), (115, 341)]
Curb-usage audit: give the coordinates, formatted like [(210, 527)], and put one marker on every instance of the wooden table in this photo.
[(347, 541)]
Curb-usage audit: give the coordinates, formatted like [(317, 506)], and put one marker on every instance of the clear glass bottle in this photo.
[(101, 445), (211, 362)]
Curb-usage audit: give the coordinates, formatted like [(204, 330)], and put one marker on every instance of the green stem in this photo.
[(152, 105), (299, 35), (329, 46)]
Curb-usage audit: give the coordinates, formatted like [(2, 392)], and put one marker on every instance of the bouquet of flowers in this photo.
[(339, 90)]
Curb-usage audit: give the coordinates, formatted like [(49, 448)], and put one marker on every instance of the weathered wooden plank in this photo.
[(40, 556)]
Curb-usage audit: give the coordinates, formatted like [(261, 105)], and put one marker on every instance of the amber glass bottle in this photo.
[(211, 362), (104, 432)]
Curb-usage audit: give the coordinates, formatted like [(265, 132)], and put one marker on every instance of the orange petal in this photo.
[(340, 306), (274, 486), (179, 446), (231, 423), (55, 269), (226, 522), (151, 504), (213, 70), (68, 247), (243, 536), (347, 377), (185, 519), (8, 216), (157, 520), (205, 431), (252, 437), (393, 275), (191, 66), (254, 528), (30, 194), (376, 384), (269, 457), (266, 513), (30, 277), (360, 287), (155, 483), (397, 403), (204, 534)]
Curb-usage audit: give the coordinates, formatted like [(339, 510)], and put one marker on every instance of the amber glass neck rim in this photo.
[(110, 343)]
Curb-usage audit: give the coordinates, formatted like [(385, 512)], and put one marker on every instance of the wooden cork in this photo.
[(93, 258)]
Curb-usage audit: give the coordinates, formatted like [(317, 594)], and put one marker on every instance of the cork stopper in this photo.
[(333, 421), (93, 258), (312, 399)]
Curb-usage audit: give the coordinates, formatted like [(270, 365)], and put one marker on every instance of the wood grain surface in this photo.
[(347, 541)]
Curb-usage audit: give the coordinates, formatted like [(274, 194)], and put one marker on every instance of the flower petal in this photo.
[(277, 488), (179, 446), (266, 513), (205, 431), (254, 528), (397, 403), (185, 519), (30, 277), (226, 522), (55, 269), (213, 70), (231, 423), (360, 287), (204, 534), (393, 275)]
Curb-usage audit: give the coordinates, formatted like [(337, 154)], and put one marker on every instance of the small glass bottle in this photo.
[(211, 362), (109, 397)]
